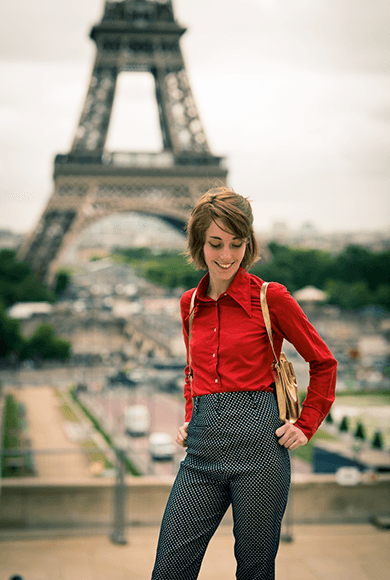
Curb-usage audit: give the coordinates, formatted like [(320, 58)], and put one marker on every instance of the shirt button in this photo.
[(215, 330), (213, 354), (216, 380)]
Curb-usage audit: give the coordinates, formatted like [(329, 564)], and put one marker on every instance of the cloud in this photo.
[(47, 30), (314, 34), (294, 92)]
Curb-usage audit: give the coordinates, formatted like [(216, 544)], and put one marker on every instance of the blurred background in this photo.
[(295, 94), (293, 98)]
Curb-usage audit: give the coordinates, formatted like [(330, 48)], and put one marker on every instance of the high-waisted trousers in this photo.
[(233, 457)]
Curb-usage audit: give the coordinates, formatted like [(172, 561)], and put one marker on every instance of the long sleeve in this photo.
[(290, 322)]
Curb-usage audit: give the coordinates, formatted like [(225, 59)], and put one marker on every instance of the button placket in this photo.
[(215, 345)]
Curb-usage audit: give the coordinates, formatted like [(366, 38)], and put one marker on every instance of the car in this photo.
[(121, 378), (161, 446), (137, 420)]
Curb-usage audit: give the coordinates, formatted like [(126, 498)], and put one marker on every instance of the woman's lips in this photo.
[(225, 266)]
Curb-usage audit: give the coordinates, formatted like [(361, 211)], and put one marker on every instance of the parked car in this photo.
[(121, 378), (161, 446), (137, 420)]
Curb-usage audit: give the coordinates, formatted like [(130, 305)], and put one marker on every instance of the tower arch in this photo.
[(90, 181)]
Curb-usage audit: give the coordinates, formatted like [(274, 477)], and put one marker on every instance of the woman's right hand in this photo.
[(181, 437)]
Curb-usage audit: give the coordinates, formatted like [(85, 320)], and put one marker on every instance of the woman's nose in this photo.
[(226, 254)]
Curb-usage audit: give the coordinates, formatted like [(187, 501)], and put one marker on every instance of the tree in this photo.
[(11, 339), (360, 432), (329, 418), (353, 279), (377, 441), (44, 344), (18, 282), (382, 295), (350, 296), (344, 425), (62, 282)]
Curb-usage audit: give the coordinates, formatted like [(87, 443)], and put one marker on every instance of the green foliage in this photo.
[(329, 419), (353, 279), (295, 267), (344, 425), (11, 339), (18, 282), (17, 463), (360, 432), (130, 468), (356, 263), (136, 254), (91, 417), (62, 281), (12, 423), (44, 344), (349, 296), (167, 268), (377, 441)]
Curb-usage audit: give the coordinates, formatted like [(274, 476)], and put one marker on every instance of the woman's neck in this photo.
[(217, 287)]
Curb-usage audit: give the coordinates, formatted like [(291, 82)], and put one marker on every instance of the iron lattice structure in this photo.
[(91, 182)]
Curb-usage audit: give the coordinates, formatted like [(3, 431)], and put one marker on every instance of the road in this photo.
[(166, 415), (46, 432)]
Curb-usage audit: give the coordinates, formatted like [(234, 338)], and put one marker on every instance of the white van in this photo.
[(161, 446), (137, 420)]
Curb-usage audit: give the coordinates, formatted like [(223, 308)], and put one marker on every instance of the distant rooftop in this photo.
[(24, 310)]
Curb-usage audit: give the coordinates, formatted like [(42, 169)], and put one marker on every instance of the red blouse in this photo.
[(230, 349)]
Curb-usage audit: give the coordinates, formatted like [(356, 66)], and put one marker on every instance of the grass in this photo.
[(67, 411), (364, 398), (96, 456), (372, 409), (92, 418), (130, 468), (13, 439), (12, 423), (93, 456)]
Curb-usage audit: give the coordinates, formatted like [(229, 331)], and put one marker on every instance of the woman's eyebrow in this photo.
[(217, 238)]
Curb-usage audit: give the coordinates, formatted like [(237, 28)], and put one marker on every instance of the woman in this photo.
[(237, 449)]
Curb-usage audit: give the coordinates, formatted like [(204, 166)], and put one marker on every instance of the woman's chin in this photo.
[(225, 273)]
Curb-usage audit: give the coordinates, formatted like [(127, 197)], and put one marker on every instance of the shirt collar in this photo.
[(239, 289)]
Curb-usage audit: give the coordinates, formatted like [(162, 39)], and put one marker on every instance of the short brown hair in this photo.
[(234, 211)]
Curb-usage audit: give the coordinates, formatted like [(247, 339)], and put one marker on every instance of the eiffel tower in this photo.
[(91, 182)]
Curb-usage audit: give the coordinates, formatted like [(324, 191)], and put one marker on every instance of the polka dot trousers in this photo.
[(233, 457)]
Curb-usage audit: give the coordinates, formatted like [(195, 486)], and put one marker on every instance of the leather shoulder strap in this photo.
[(266, 316), (192, 312), (192, 303)]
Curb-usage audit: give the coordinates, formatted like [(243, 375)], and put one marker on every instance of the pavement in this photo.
[(327, 552)]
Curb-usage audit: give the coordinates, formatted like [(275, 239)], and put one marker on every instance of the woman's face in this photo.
[(223, 252)]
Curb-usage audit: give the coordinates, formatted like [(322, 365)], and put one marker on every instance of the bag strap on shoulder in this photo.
[(192, 312), (266, 316)]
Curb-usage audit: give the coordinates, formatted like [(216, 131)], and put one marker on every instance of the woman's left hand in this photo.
[(181, 438), (290, 436)]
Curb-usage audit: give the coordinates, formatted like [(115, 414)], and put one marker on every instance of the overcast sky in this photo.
[(295, 93)]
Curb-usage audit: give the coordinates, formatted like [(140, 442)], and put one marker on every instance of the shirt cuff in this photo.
[(309, 421)]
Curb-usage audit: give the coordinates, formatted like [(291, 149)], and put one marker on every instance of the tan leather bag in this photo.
[(286, 385)]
